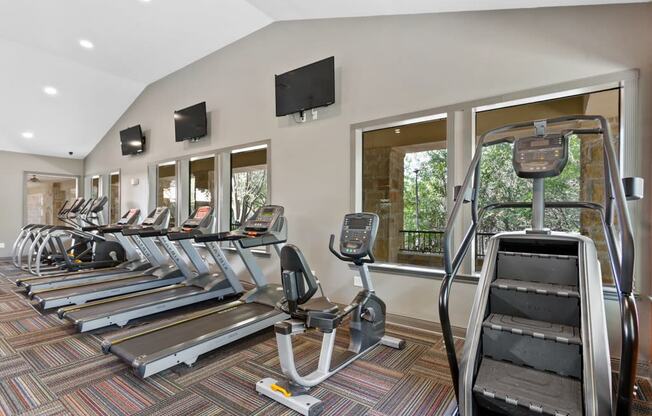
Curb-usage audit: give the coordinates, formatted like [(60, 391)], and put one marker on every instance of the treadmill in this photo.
[(163, 273), (134, 260), (157, 347), (205, 284)]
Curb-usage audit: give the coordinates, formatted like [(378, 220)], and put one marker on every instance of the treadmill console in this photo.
[(201, 218), (155, 217), (358, 234), (262, 220), (130, 217), (540, 156)]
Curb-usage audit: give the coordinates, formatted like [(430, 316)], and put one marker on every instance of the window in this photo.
[(114, 195), (581, 180), (95, 187), (167, 189), (404, 179), (248, 183), (202, 182), (45, 195)]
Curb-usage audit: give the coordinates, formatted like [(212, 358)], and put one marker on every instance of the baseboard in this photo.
[(423, 325)]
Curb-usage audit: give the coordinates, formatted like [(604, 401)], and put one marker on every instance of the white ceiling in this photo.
[(138, 42)]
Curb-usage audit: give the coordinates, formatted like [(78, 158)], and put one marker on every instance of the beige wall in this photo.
[(385, 66), (12, 168)]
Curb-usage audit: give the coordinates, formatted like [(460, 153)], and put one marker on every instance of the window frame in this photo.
[(117, 173), (461, 146), (222, 189)]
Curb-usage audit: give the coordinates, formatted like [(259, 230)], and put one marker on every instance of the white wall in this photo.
[(12, 167), (385, 66)]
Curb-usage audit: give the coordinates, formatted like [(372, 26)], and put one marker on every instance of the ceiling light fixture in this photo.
[(397, 131), (50, 90), (86, 44), (27, 135)]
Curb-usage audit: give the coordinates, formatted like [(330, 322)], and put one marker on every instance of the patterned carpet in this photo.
[(48, 369)]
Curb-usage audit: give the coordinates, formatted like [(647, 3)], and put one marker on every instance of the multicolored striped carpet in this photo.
[(48, 369)]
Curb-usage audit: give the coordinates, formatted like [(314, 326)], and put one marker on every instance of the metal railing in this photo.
[(432, 242)]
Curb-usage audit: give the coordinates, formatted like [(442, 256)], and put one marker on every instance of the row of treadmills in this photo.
[(170, 272)]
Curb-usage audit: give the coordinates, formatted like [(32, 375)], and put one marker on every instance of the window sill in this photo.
[(418, 271)]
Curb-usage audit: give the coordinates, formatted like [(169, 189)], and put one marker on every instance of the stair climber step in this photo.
[(537, 287), (536, 301), (545, 268), (508, 388), (537, 329), (541, 345)]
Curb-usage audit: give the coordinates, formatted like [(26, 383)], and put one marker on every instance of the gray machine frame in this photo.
[(262, 300), (621, 258), (204, 285)]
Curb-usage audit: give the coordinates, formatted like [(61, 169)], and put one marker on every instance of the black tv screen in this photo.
[(305, 88), (190, 123), (132, 141)]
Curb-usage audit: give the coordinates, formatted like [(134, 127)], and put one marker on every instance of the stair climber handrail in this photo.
[(621, 261)]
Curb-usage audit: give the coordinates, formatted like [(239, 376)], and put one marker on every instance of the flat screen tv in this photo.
[(190, 123), (132, 141), (305, 88)]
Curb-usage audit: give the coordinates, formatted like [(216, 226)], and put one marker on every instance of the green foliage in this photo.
[(498, 183), (432, 178), (248, 193)]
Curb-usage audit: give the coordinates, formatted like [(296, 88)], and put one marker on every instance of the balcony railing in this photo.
[(431, 242)]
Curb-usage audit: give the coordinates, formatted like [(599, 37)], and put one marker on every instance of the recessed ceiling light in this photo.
[(145, 1), (50, 90), (86, 44), (27, 135)]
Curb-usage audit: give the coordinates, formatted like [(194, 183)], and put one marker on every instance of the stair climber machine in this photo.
[(158, 346), (204, 285), (164, 271), (366, 313), (537, 340), (132, 261)]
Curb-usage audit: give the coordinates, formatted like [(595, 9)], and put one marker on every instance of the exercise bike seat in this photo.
[(319, 304)]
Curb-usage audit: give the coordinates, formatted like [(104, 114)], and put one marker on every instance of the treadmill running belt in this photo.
[(106, 308), (95, 287), (177, 334), (75, 275)]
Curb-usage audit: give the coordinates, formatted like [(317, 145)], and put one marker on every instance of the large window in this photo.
[(248, 183), (167, 189), (114, 197), (581, 180), (95, 187), (202, 182), (404, 180)]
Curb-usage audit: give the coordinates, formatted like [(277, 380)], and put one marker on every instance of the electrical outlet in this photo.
[(357, 281), (2, 245)]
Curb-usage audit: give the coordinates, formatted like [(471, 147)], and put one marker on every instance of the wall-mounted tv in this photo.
[(305, 88), (132, 141), (190, 123)]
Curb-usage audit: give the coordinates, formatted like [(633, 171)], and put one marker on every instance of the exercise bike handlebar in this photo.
[(356, 260)]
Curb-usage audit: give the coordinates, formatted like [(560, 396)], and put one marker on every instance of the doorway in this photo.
[(45, 194)]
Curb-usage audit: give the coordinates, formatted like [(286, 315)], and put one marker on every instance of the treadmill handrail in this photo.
[(621, 261)]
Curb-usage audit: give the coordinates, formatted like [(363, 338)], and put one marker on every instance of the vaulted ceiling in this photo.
[(134, 43)]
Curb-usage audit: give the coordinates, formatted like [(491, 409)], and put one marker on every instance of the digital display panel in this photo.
[(358, 223), (540, 143)]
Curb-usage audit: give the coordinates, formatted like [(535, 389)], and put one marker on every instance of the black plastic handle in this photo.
[(335, 252)]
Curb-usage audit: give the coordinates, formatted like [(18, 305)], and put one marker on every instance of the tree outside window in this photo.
[(248, 184)]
